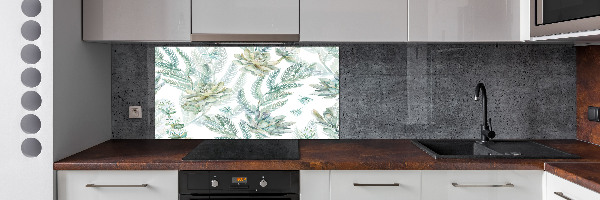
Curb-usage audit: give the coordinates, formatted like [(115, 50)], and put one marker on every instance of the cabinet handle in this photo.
[(560, 194), (94, 185), (361, 184), (505, 185)]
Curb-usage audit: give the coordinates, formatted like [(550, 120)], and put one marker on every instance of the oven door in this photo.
[(238, 197)]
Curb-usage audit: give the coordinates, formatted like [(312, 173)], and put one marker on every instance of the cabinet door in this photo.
[(314, 185), (117, 185), (136, 20), (245, 17), (468, 20), (561, 189), (354, 20), (482, 184), (375, 185)]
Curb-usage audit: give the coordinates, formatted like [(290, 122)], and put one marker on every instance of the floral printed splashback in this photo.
[(247, 92)]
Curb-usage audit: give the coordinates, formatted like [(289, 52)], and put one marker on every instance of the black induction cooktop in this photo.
[(268, 149)]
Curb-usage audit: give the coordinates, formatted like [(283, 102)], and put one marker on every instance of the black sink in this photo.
[(492, 149)]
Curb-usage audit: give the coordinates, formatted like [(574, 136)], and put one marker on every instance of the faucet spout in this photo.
[(481, 88), (486, 132)]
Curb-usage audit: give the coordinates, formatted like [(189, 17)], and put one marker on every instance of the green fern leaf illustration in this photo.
[(232, 70), (328, 88), (185, 57), (221, 125), (305, 100), (274, 106), (329, 121), (297, 72), (274, 96), (308, 132), (296, 112), (272, 77), (256, 93), (241, 98), (245, 130)]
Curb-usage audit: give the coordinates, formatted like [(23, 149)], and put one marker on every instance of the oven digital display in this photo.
[(239, 180)]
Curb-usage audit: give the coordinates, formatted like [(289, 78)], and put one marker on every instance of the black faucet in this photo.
[(486, 129)]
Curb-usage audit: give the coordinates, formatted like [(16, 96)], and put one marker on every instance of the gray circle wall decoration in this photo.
[(31, 147), (31, 100), (31, 8), (31, 54), (31, 77), (31, 30), (31, 124)]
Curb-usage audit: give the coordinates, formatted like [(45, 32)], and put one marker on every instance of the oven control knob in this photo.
[(214, 183), (263, 183)]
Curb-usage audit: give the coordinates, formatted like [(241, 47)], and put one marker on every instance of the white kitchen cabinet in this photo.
[(117, 185), (379, 185), (468, 20), (314, 184), (136, 20), (482, 184), (244, 20), (354, 20), (561, 189)]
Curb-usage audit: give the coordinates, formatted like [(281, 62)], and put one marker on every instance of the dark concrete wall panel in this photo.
[(410, 90)]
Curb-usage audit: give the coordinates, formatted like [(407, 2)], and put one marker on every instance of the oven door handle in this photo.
[(251, 197), (192, 197)]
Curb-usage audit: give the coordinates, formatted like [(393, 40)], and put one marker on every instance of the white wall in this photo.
[(75, 92), (82, 84), (24, 177)]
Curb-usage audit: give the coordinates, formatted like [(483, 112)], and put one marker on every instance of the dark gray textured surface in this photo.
[(132, 85), (409, 90), (245, 150)]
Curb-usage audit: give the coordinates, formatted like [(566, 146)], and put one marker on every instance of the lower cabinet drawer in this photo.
[(375, 185), (482, 184), (314, 185), (117, 185), (560, 189)]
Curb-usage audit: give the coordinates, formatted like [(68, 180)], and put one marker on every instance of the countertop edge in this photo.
[(578, 179)]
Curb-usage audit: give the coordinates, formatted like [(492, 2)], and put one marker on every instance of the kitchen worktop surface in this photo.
[(314, 155), (582, 173)]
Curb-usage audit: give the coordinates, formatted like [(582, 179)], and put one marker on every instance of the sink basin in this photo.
[(495, 149)]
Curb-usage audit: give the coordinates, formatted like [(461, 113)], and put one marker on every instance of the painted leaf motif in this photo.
[(328, 88), (222, 125), (247, 92)]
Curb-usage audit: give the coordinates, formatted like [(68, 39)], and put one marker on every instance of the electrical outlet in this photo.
[(135, 112)]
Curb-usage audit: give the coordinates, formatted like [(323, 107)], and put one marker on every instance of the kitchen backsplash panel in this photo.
[(246, 92), (408, 90)]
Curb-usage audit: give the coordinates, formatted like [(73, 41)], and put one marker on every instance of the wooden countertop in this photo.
[(581, 173), (331, 155), (314, 155)]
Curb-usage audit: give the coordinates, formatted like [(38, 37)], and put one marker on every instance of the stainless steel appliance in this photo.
[(556, 17), (235, 185)]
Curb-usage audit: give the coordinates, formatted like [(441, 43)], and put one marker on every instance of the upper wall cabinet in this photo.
[(136, 20), (354, 20), (245, 20), (468, 20)]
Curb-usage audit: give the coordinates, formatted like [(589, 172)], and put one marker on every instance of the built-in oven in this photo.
[(235, 185), (554, 17)]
